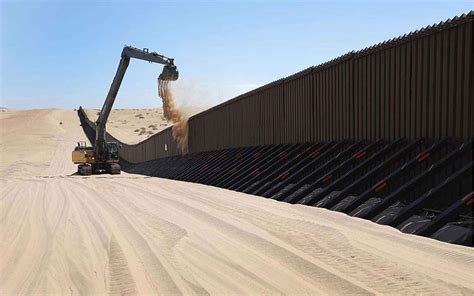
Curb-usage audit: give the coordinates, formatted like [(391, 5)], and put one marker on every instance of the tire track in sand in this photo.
[(120, 280), (335, 250), (156, 274), (275, 252)]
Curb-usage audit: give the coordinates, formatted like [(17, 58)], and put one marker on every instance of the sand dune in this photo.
[(135, 125), (130, 234)]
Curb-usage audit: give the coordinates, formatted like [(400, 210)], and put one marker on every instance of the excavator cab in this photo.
[(112, 153)]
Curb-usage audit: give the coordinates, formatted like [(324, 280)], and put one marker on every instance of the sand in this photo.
[(173, 114), (131, 234), (135, 125)]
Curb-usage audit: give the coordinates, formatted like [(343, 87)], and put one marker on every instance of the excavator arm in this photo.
[(169, 72)]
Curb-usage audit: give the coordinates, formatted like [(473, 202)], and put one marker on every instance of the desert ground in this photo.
[(130, 234), (135, 125)]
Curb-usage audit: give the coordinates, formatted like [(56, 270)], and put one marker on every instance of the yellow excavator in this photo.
[(104, 156)]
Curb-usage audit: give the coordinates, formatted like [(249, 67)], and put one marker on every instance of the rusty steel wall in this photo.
[(416, 88), (417, 85)]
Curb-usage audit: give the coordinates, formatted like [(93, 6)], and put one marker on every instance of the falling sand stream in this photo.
[(173, 115)]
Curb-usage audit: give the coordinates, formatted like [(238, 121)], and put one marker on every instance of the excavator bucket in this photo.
[(170, 73)]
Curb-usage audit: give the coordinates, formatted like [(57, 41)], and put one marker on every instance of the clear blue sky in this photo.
[(63, 53)]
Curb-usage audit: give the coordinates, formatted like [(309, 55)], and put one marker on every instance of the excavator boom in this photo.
[(169, 72), (104, 156)]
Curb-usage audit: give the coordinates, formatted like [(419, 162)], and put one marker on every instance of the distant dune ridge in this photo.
[(132, 126), (130, 234)]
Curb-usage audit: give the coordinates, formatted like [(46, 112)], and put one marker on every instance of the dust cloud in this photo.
[(174, 115)]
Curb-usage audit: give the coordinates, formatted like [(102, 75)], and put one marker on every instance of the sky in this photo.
[(63, 54)]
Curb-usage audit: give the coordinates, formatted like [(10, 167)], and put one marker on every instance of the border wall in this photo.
[(414, 86), (417, 85)]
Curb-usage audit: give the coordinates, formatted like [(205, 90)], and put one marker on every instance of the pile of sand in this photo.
[(131, 234)]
